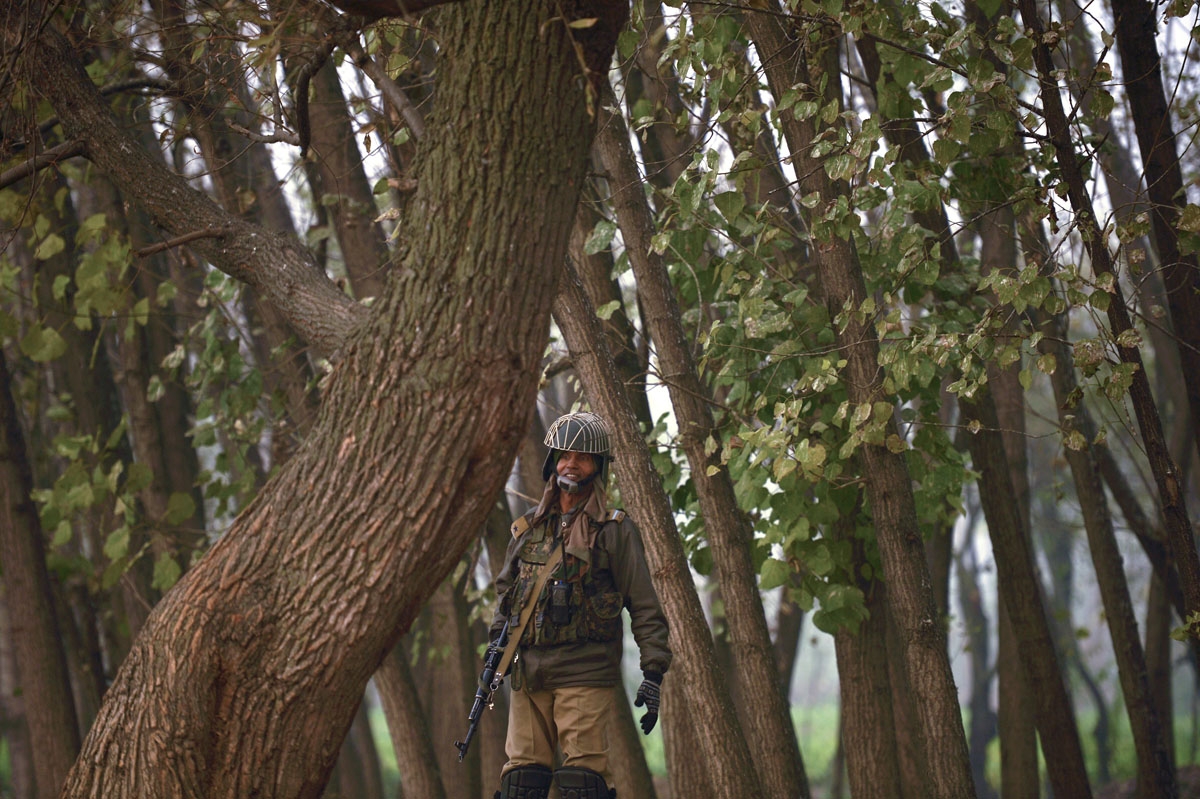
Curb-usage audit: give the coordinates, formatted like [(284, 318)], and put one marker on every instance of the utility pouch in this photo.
[(560, 603)]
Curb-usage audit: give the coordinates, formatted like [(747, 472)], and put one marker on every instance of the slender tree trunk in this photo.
[(344, 182), (446, 671), (1158, 661), (1174, 506), (867, 722), (1136, 32), (982, 726), (1156, 776), (1022, 598), (41, 662), (411, 741), (721, 749), (14, 731), (665, 150), (769, 728), (889, 490), (687, 774)]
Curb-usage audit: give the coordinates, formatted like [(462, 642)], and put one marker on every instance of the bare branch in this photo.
[(390, 89), (278, 267), (44, 159), (206, 233), (378, 9)]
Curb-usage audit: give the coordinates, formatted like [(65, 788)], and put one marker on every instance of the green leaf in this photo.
[(116, 546), (840, 167), (49, 247), (43, 344), (601, 237), (180, 507), (166, 573), (774, 574), (730, 204), (606, 310)]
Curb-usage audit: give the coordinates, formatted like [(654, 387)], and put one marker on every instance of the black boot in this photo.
[(582, 783), (525, 782)]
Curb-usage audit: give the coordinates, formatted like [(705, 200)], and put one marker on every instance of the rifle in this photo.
[(489, 683)]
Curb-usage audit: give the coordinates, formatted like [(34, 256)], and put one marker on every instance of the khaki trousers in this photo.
[(574, 719)]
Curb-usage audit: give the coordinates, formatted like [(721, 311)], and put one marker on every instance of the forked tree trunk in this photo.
[(248, 673)]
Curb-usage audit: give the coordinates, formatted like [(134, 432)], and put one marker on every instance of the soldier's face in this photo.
[(576, 466)]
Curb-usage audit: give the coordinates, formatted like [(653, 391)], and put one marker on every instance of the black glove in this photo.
[(648, 695)]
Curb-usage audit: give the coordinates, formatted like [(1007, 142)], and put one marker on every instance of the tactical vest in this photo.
[(593, 602)]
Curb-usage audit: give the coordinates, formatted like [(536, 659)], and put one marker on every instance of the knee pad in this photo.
[(582, 783), (525, 782)]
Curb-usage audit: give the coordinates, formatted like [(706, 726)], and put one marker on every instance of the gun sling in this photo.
[(514, 636)]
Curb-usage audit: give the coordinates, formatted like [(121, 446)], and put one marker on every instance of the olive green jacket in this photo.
[(587, 649)]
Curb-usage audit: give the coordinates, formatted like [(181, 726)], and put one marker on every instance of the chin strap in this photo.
[(569, 486)]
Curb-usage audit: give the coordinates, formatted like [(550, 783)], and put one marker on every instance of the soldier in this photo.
[(568, 659)]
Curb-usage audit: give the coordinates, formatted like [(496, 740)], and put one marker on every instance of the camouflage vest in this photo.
[(593, 603)]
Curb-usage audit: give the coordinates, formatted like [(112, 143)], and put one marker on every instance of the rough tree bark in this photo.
[(279, 627), (867, 719)]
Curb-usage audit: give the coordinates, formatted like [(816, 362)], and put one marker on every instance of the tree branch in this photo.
[(206, 233), (390, 90), (378, 9), (279, 268), (44, 159)]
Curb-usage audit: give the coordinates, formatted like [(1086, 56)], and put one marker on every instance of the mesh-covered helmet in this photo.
[(576, 432)]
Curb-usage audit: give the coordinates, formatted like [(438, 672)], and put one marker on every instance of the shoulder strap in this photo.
[(514, 636), (617, 515), (519, 526)]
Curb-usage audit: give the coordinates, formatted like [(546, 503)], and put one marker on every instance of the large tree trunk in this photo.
[(278, 629), (769, 727), (721, 749), (41, 662), (889, 488)]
